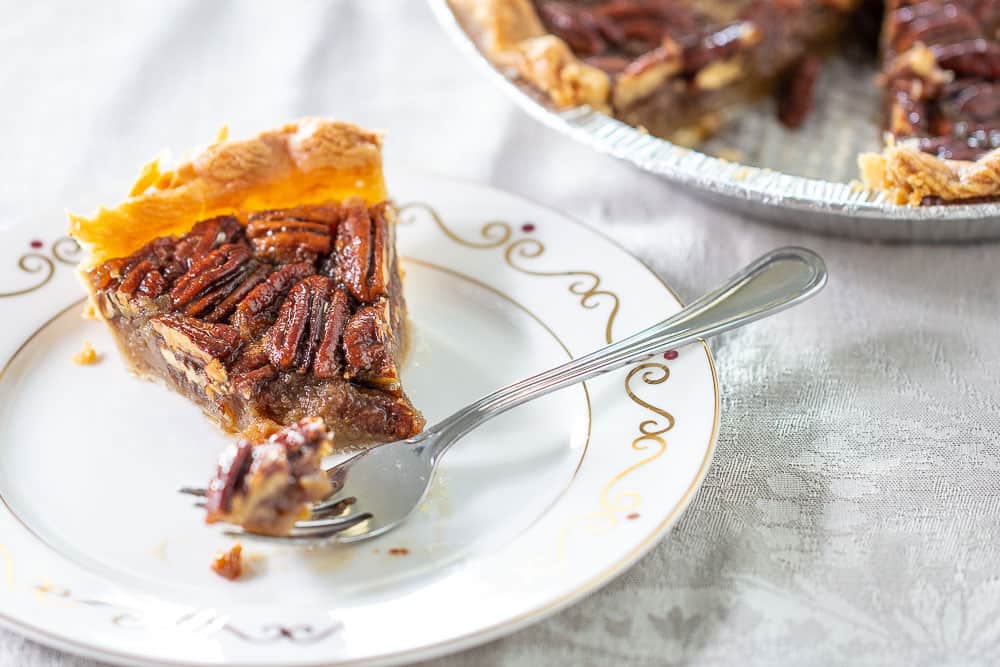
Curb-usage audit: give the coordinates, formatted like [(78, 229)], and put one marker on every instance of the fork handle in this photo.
[(780, 279)]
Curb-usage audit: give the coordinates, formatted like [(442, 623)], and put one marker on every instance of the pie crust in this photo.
[(310, 161)]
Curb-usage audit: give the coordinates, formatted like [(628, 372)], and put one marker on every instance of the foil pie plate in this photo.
[(804, 178)]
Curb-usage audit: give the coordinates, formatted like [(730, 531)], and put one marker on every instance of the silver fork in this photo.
[(379, 488)]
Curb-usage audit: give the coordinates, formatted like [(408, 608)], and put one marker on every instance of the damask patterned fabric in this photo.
[(851, 513)]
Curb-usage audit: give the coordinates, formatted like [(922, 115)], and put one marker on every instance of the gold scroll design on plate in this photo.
[(204, 622), (495, 233), (499, 234), (45, 592), (43, 264), (586, 284), (613, 503)]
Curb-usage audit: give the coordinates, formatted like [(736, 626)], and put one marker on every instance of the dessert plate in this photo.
[(804, 178), (100, 556)]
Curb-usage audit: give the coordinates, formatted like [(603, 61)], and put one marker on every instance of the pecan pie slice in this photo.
[(261, 281), (266, 488)]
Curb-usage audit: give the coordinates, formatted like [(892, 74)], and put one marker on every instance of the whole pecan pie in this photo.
[(260, 280), (677, 67)]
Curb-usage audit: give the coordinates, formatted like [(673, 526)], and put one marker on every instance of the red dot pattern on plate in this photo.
[(633, 515), (36, 244), (670, 355), (528, 227)]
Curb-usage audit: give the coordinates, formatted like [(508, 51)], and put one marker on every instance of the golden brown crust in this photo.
[(909, 175), (499, 24), (304, 162), (512, 36)]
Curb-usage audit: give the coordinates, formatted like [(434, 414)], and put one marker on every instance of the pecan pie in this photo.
[(266, 488), (941, 74), (260, 280), (677, 67)]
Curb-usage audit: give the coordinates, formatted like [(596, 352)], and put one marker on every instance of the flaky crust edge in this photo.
[(511, 35), (908, 175), (306, 161)]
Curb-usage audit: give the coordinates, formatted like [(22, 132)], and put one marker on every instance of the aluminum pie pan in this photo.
[(846, 124)]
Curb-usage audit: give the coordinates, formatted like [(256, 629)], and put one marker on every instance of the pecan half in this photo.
[(720, 44), (368, 348), (252, 370), (206, 236), (329, 214), (252, 357), (796, 95), (228, 305), (328, 363), (577, 26), (212, 278), (141, 278), (161, 254), (257, 310), (975, 102), (279, 237), (153, 284), (132, 277), (202, 342), (251, 382), (102, 276), (137, 292), (973, 58), (930, 22), (907, 115), (617, 27), (363, 242), (232, 468), (646, 74), (296, 332)]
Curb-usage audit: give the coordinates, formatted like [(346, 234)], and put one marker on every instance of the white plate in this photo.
[(100, 556)]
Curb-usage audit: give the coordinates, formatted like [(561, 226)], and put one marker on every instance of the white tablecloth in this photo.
[(851, 513)]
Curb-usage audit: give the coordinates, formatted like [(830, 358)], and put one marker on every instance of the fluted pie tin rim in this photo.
[(825, 207)]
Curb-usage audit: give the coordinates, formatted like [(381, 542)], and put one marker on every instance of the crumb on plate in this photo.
[(87, 355), (229, 564), (160, 551), (398, 551)]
